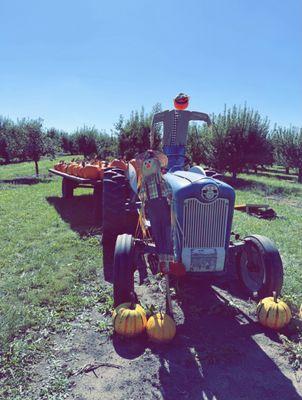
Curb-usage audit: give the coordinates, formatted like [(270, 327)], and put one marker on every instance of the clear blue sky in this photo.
[(86, 62)]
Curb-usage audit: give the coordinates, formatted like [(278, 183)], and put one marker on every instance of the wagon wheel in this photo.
[(259, 266), (123, 281)]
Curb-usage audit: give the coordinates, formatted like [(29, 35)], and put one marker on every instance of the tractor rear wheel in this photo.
[(123, 280), (114, 200), (259, 266)]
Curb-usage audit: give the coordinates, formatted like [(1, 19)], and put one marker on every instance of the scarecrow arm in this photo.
[(158, 117), (199, 116)]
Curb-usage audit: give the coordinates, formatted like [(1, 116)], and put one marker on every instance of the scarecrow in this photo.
[(175, 128), (156, 196)]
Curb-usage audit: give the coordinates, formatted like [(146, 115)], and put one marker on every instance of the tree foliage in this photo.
[(85, 141), (37, 143), (133, 134), (237, 140), (288, 148)]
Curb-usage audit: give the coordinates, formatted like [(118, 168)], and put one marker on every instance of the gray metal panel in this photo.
[(204, 224)]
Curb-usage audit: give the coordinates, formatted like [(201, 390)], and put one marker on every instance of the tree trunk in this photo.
[(37, 168), (287, 170), (255, 169), (300, 175), (234, 175)]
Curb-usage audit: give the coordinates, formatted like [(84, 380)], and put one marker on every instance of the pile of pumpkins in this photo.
[(130, 319), (91, 170)]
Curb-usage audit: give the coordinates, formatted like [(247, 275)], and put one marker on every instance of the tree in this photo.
[(288, 148), (85, 141), (133, 134), (66, 142), (53, 141), (238, 139), (5, 124), (198, 144), (37, 143), (107, 146)]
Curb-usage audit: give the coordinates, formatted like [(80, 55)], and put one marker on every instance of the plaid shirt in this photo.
[(149, 189)]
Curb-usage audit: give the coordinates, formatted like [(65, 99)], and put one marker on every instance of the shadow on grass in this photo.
[(79, 212), (266, 188), (27, 180), (277, 171), (291, 178), (81, 215)]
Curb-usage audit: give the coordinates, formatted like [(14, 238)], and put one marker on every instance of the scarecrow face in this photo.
[(150, 166)]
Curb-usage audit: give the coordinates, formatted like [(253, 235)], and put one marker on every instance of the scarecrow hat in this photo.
[(181, 98)]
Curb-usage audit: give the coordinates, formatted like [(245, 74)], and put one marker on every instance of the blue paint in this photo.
[(189, 185)]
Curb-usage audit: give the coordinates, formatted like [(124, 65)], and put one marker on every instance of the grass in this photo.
[(47, 270), (11, 171), (286, 231), (51, 258)]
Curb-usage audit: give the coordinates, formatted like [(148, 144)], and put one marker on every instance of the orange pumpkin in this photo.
[(161, 328), (80, 171), (273, 312), (64, 168), (129, 319), (91, 172), (59, 166), (181, 101), (70, 168), (76, 169), (118, 164)]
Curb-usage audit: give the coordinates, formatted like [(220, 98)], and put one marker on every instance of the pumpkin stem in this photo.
[(275, 296), (132, 302)]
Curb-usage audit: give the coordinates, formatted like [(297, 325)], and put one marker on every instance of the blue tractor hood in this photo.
[(191, 186), (186, 179)]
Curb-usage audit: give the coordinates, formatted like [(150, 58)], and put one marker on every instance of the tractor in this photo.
[(203, 242)]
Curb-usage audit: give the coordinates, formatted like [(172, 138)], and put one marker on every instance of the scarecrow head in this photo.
[(181, 101), (151, 162)]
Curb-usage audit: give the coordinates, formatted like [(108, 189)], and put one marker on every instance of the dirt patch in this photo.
[(220, 353)]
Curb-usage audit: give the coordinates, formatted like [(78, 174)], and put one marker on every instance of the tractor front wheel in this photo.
[(259, 267), (123, 280)]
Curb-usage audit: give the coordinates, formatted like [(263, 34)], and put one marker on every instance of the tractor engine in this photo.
[(202, 214)]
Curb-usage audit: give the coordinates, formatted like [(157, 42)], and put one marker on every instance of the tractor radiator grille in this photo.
[(204, 224)]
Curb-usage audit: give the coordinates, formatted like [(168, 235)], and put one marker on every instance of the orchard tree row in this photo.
[(27, 140), (238, 140)]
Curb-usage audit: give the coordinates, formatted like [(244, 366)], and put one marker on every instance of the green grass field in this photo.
[(49, 265), (51, 258)]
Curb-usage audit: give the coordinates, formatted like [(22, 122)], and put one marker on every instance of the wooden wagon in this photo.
[(71, 182)]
